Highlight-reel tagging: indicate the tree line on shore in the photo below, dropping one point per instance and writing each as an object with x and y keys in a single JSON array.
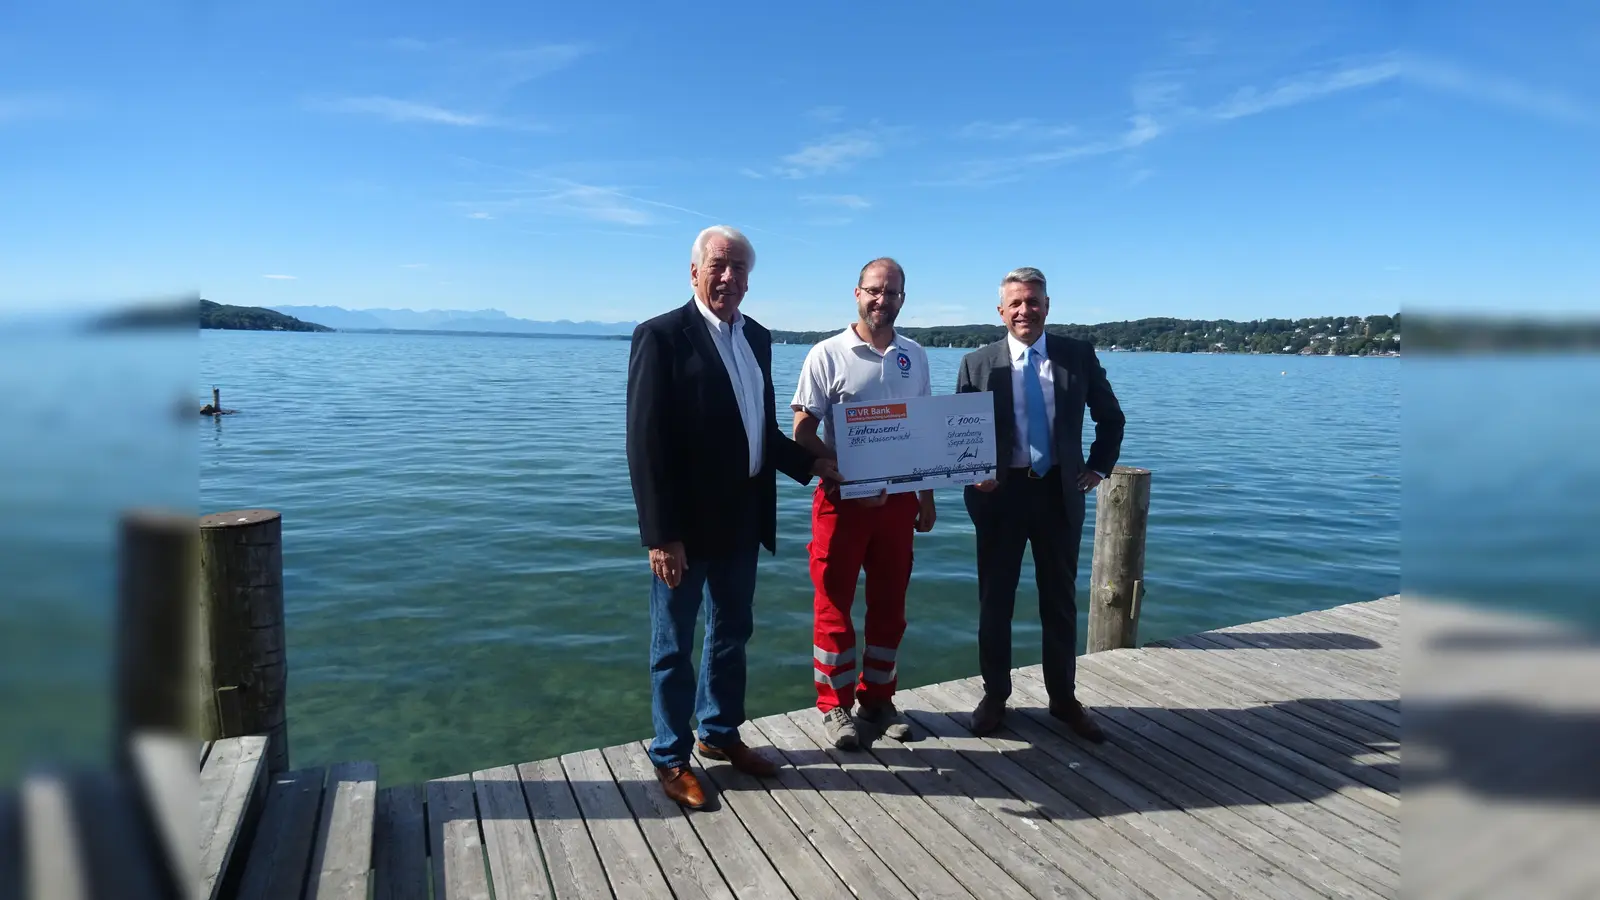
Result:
[{"x": 1328, "y": 335}]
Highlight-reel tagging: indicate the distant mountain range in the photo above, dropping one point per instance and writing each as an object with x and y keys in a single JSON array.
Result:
[{"x": 478, "y": 320}]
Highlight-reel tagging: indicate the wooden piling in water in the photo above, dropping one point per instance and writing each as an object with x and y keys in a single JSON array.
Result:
[
  {"x": 155, "y": 626},
  {"x": 243, "y": 670},
  {"x": 1116, "y": 585}
]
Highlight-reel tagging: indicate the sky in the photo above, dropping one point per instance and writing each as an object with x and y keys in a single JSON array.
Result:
[{"x": 1193, "y": 159}]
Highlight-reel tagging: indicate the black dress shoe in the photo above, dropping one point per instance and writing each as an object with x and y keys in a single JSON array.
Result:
[
  {"x": 1077, "y": 718},
  {"x": 987, "y": 717}
]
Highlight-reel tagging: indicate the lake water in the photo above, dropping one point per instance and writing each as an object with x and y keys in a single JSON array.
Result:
[{"x": 463, "y": 579}]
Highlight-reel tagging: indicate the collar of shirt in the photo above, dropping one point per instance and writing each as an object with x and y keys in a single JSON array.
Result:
[
  {"x": 716, "y": 323},
  {"x": 1019, "y": 350},
  {"x": 857, "y": 341}
]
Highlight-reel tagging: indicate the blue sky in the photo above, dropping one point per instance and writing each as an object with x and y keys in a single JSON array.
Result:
[{"x": 555, "y": 160}]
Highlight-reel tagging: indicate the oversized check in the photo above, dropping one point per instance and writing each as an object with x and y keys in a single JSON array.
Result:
[{"x": 915, "y": 444}]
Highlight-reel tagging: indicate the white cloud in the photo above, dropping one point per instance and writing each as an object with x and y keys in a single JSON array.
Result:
[
  {"x": 829, "y": 155},
  {"x": 848, "y": 201},
  {"x": 280, "y": 277},
  {"x": 751, "y": 173},
  {"x": 394, "y": 109},
  {"x": 1249, "y": 101},
  {"x": 1498, "y": 91},
  {"x": 1016, "y": 128},
  {"x": 479, "y": 215}
]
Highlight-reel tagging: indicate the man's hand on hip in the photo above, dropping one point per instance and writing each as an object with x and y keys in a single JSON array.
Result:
[
  {"x": 1088, "y": 481},
  {"x": 668, "y": 562},
  {"x": 827, "y": 470}
]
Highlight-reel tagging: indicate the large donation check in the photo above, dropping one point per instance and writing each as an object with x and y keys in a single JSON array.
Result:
[{"x": 916, "y": 444}]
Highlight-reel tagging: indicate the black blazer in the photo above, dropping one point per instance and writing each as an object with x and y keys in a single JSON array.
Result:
[
  {"x": 1080, "y": 382},
  {"x": 688, "y": 456}
]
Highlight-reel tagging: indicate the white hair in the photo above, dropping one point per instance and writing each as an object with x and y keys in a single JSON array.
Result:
[
  {"x": 1024, "y": 275},
  {"x": 697, "y": 252}
]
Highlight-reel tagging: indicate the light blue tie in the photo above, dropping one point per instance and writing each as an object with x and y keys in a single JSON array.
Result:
[{"x": 1038, "y": 419}]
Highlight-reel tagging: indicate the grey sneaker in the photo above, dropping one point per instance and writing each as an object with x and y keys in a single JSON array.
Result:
[
  {"x": 841, "y": 730},
  {"x": 888, "y": 720}
]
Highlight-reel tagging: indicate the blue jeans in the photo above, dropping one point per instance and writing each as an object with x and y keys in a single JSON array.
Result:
[{"x": 717, "y": 698}]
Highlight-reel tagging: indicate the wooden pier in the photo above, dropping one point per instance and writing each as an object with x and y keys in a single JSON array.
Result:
[{"x": 1258, "y": 761}]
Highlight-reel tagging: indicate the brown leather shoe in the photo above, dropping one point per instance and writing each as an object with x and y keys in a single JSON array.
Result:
[
  {"x": 681, "y": 785},
  {"x": 987, "y": 717},
  {"x": 1077, "y": 718},
  {"x": 742, "y": 757}
]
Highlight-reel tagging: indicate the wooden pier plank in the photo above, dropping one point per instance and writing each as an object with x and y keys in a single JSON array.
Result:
[
  {"x": 232, "y": 787},
  {"x": 516, "y": 864},
  {"x": 1250, "y": 753},
  {"x": 865, "y": 857},
  {"x": 1356, "y": 851},
  {"x": 1180, "y": 844},
  {"x": 796, "y": 859},
  {"x": 1374, "y": 710},
  {"x": 341, "y": 860},
  {"x": 689, "y": 869},
  {"x": 280, "y": 855},
  {"x": 1273, "y": 725},
  {"x": 1315, "y": 652},
  {"x": 400, "y": 844},
  {"x": 455, "y": 840},
  {"x": 632, "y": 870},
  {"x": 956, "y": 852},
  {"x": 1181, "y": 785},
  {"x": 574, "y": 866}
]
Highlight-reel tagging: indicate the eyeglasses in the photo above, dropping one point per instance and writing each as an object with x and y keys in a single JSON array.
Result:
[{"x": 880, "y": 292}]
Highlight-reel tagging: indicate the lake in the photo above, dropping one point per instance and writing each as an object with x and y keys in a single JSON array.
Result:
[{"x": 464, "y": 585}]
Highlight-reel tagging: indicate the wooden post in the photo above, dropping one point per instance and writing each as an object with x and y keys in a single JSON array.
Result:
[
  {"x": 155, "y": 621},
  {"x": 243, "y": 668},
  {"x": 216, "y": 399},
  {"x": 1116, "y": 585}
]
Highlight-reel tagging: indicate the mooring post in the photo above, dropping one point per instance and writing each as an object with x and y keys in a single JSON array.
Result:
[
  {"x": 216, "y": 399},
  {"x": 1116, "y": 586},
  {"x": 155, "y": 626},
  {"x": 243, "y": 675}
]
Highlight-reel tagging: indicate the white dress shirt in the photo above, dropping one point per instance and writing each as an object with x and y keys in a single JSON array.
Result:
[
  {"x": 749, "y": 387},
  {"x": 1019, "y": 396}
]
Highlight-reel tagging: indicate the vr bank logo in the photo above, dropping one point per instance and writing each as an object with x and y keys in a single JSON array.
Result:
[{"x": 881, "y": 413}]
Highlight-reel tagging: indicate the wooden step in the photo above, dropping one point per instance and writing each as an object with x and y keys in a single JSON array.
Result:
[{"x": 315, "y": 835}]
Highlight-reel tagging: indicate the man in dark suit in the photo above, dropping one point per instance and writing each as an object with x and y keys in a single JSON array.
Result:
[
  {"x": 1041, "y": 383},
  {"x": 703, "y": 446}
]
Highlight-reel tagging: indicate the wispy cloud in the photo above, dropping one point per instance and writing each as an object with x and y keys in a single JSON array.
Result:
[
  {"x": 394, "y": 109},
  {"x": 281, "y": 277},
  {"x": 479, "y": 215},
  {"x": 751, "y": 173},
  {"x": 1498, "y": 91},
  {"x": 831, "y": 154},
  {"x": 1250, "y": 101},
  {"x": 1014, "y": 129},
  {"x": 848, "y": 201},
  {"x": 1141, "y": 130}
]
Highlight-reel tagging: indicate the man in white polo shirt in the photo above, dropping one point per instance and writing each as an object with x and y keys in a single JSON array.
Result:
[{"x": 866, "y": 361}]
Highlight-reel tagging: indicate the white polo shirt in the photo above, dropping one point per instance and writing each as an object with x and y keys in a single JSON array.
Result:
[{"x": 845, "y": 368}]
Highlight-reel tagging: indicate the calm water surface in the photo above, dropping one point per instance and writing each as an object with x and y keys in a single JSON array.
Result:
[{"x": 465, "y": 587}]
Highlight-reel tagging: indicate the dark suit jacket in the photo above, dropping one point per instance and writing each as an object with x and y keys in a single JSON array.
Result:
[
  {"x": 688, "y": 456},
  {"x": 1080, "y": 382}
]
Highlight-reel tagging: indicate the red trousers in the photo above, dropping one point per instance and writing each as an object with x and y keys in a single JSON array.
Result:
[{"x": 846, "y": 537}]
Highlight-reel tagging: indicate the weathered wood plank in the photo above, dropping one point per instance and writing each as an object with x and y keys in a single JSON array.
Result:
[
  {"x": 455, "y": 841},
  {"x": 1113, "y": 866},
  {"x": 1246, "y": 750},
  {"x": 629, "y": 865},
  {"x": 280, "y": 854},
  {"x": 684, "y": 861},
  {"x": 341, "y": 860},
  {"x": 967, "y": 862},
  {"x": 1350, "y": 698},
  {"x": 1327, "y": 644},
  {"x": 569, "y": 852},
  {"x": 516, "y": 864},
  {"x": 400, "y": 845},
  {"x": 1286, "y": 844},
  {"x": 802, "y": 867},
  {"x": 872, "y": 853},
  {"x": 162, "y": 782},
  {"x": 1207, "y": 860},
  {"x": 56, "y": 863},
  {"x": 1285, "y": 687},
  {"x": 1263, "y": 722},
  {"x": 1365, "y": 857},
  {"x": 232, "y": 787}
]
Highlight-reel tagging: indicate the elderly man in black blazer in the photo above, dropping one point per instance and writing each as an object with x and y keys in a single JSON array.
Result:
[
  {"x": 1041, "y": 383},
  {"x": 703, "y": 446}
]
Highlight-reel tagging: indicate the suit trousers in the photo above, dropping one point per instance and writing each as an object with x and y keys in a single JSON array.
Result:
[{"x": 1027, "y": 511}]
